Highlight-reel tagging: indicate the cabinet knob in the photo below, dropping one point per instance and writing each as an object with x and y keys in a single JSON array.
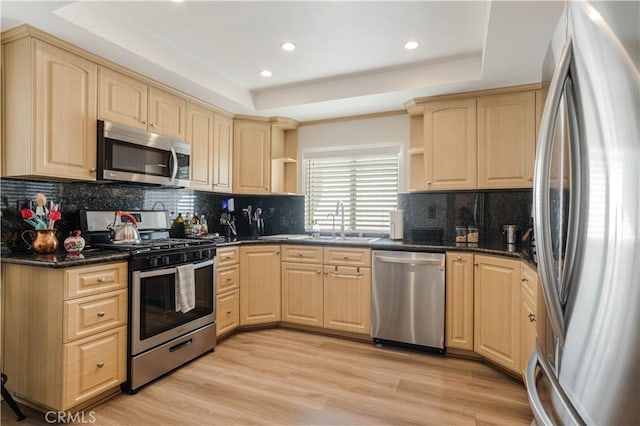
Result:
[
  {"x": 102, "y": 279},
  {"x": 100, "y": 364},
  {"x": 530, "y": 179},
  {"x": 228, "y": 313},
  {"x": 532, "y": 317},
  {"x": 228, "y": 279},
  {"x": 144, "y": 122},
  {"x": 152, "y": 125},
  {"x": 318, "y": 271},
  {"x": 326, "y": 273},
  {"x": 300, "y": 254},
  {"x": 524, "y": 279},
  {"x": 458, "y": 257},
  {"x": 345, "y": 257},
  {"x": 101, "y": 314},
  {"x": 429, "y": 182},
  {"x": 92, "y": 170}
]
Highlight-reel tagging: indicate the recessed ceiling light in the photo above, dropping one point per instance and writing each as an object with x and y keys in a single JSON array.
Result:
[
  {"x": 265, "y": 73},
  {"x": 410, "y": 45},
  {"x": 288, "y": 46}
]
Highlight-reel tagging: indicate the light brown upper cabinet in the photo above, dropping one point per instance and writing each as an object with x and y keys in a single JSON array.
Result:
[
  {"x": 132, "y": 102},
  {"x": 251, "y": 157},
  {"x": 222, "y": 153},
  {"x": 200, "y": 136},
  {"x": 49, "y": 112},
  {"x": 506, "y": 140},
  {"x": 450, "y": 144}
]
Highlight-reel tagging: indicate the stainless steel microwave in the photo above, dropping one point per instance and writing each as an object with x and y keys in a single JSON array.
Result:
[{"x": 132, "y": 155}]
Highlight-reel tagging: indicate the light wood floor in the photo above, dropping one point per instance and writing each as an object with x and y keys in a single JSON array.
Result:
[{"x": 281, "y": 376}]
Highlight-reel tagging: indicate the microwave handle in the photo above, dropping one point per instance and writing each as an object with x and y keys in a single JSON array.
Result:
[{"x": 174, "y": 168}]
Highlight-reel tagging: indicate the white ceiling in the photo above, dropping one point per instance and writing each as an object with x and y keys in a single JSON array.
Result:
[{"x": 349, "y": 59}]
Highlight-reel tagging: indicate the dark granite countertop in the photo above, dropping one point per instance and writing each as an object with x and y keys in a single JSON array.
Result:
[
  {"x": 62, "y": 259},
  {"x": 484, "y": 247}
]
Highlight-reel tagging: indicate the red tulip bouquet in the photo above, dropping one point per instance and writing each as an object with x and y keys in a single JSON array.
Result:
[{"x": 42, "y": 218}]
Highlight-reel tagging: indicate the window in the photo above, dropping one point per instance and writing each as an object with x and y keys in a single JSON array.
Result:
[{"x": 366, "y": 184}]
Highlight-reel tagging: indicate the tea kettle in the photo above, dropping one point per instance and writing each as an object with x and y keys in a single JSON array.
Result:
[{"x": 124, "y": 232}]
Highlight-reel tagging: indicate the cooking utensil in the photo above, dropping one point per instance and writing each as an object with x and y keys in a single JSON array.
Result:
[{"x": 124, "y": 232}]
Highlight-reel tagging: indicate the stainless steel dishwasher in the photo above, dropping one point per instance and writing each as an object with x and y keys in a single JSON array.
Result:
[{"x": 407, "y": 298}]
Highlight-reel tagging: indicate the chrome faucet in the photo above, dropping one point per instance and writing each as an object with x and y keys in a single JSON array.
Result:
[
  {"x": 340, "y": 206},
  {"x": 333, "y": 224}
]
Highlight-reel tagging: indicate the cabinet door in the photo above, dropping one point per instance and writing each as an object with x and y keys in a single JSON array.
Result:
[
  {"x": 228, "y": 278},
  {"x": 459, "y": 329},
  {"x": 200, "y": 137},
  {"x": 222, "y": 153},
  {"x": 302, "y": 294},
  {"x": 527, "y": 329},
  {"x": 251, "y": 157},
  {"x": 497, "y": 310},
  {"x": 506, "y": 140},
  {"x": 122, "y": 99},
  {"x": 65, "y": 114},
  {"x": 347, "y": 299},
  {"x": 167, "y": 113},
  {"x": 450, "y": 144},
  {"x": 227, "y": 316},
  {"x": 93, "y": 365},
  {"x": 260, "y": 284}
]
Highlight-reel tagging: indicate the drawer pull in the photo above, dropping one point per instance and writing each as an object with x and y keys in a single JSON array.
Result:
[
  {"x": 228, "y": 279},
  {"x": 102, "y": 280},
  {"x": 228, "y": 313},
  {"x": 318, "y": 271},
  {"x": 345, "y": 257},
  {"x": 524, "y": 279},
  {"x": 300, "y": 254},
  {"x": 100, "y": 364},
  {"x": 101, "y": 314},
  {"x": 227, "y": 257},
  {"x": 180, "y": 345}
]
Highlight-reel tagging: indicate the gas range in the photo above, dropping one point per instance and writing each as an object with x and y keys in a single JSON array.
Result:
[{"x": 155, "y": 249}]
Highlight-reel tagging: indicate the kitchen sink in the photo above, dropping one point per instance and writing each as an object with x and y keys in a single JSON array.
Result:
[
  {"x": 285, "y": 237},
  {"x": 347, "y": 239}
]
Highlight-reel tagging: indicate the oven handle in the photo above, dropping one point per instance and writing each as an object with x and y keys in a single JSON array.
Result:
[{"x": 169, "y": 271}]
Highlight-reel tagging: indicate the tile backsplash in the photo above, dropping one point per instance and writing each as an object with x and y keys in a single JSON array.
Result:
[
  {"x": 489, "y": 210},
  {"x": 282, "y": 214}
]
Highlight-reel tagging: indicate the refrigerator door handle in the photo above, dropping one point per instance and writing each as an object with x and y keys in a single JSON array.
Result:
[
  {"x": 538, "y": 358},
  {"x": 542, "y": 226}
]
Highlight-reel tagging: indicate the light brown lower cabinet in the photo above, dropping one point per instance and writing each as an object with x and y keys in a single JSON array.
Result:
[
  {"x": 497, "y": 310},
  {"x": 347, "y": 298},
  {"x": 227, "y": 312},
  {"x": 302, "y": 294},
  {"x": 529, "y": 314},
  {"x": 69, "y": 345},
  {"x": 260, "y": 297},
  {"x": 459, "y": 301}
]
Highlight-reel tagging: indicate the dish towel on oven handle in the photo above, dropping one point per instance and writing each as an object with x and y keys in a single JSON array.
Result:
[{"x": 185, "y": 288}]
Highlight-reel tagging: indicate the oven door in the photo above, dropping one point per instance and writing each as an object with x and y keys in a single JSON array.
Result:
[{"x": 154, "y": 318}]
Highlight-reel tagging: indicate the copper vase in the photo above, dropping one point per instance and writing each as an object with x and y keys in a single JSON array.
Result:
[{"x": 44, "y": 241}]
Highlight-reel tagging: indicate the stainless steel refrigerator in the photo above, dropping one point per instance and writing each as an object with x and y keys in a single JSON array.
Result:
[{"x": 586, "y": 369}]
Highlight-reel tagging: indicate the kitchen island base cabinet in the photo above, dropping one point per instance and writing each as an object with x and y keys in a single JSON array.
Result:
[
  {"x": 64, "y": 332},
  {"x": 497, "y": 310},
  {"x": 260, "y": 299}
]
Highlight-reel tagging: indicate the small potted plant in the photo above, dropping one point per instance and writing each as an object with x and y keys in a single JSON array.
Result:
[{"x": 43, "y": 220}]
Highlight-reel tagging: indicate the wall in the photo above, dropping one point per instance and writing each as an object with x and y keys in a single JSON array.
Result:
[
  {"x": 282, "y": 214},
  {"x": 391, "y": 130}
]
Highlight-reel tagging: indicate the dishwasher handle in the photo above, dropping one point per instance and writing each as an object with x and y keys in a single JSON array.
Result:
[{"x": 433, "y": 262}]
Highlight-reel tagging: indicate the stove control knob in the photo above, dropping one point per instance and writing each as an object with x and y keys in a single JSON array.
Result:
[
  {"x": 184, "y": 257},
  {"x": 199, "y": 254},
  {"x": 166, "y": 260},
  {"x": 153, "y": 261}
]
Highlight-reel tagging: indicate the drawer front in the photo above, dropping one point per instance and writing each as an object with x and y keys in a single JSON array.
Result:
[
  {"x": 227, "y": 256},
  {"x": 301, "y": 254},
  {"x": 529, "y": 279},
  {"x": 228, "y": 278},
  {"x": 93, "y": 365},
  {"x": 93, "y": 314},
  {"x": 227, "y": 312},
  {"x": 347, "y": 256},
  {"x": 91, "y": 280}
]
